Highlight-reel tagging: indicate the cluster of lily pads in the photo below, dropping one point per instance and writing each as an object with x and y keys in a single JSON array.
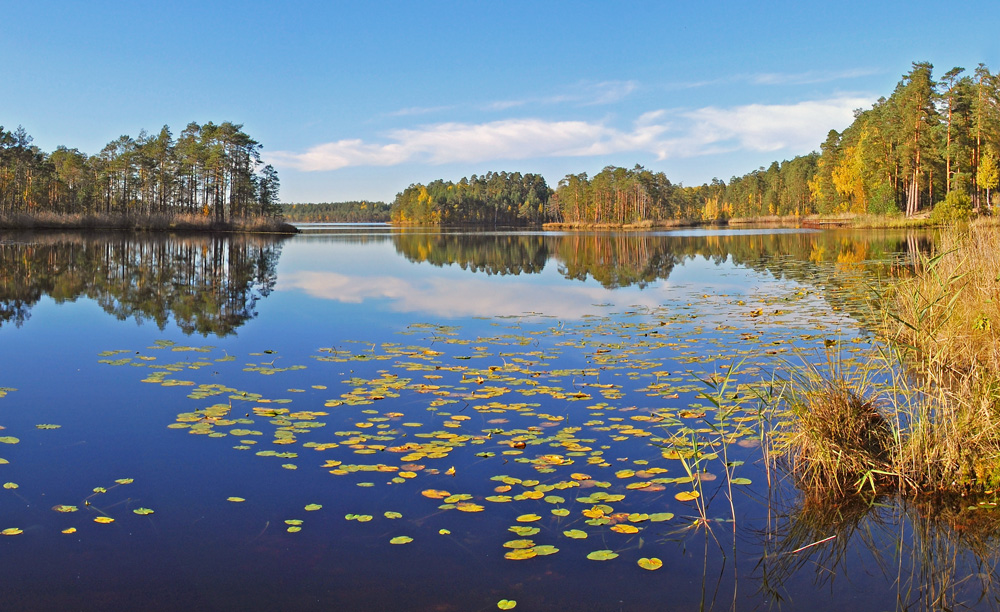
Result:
[{"x": 610, "y": 427}]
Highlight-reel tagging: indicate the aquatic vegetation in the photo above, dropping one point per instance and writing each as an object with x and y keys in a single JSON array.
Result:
[
  {"x": 622, "y": 428},
  {"x": 932, "y": 423},
  {"x": 633, "y": 436}
]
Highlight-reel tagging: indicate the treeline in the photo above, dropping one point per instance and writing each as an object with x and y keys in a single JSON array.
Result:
[
  {"x": 495, "y": 198},
  {"x": 619, "y": 196},
  {"x": 213, "y": 171},
  {"x": 338, "y": 212},
  {"x": 932, "y": 144},
  {"x": 929, "y": 142}
]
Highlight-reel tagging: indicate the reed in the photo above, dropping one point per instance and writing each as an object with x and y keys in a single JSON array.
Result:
[
  {"x": 923, "y": 413},
  {"x": 143, "y": 222}
]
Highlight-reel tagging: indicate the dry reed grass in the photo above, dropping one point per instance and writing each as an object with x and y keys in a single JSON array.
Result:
[
  {"x": 935, "y": 423},
  {"x": 153, "y": 223}
]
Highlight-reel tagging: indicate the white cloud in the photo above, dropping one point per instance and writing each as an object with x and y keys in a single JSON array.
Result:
[
  {"x": 442, "y": 297},
  {"x": 581, "y": 94},
  {"x": 609, "y": 92},
  {"x": 665, "y": 133},
  {"x": 761, "y": 127},
  {"x": 419, "y": 110},
  {"x": 808, "y": 77},
  {"x": 776, "y": 78}
]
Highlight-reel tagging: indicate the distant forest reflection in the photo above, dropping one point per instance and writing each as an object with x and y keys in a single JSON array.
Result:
[
  {"x": 622, "y": 259},
  {"x": 207, "y": 284},
  {"x": 210, "y": 285}
]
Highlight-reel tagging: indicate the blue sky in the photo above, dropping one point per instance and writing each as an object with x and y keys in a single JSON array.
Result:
[{"x": 357, "y": 100}]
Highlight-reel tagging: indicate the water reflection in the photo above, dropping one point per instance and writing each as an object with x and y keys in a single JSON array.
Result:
[
  {"x": 937, "y": 554},
  {"x": 207, "y": 284},
  {"x": 619, "y": 259},
  {"x": 837, "y": 264}
]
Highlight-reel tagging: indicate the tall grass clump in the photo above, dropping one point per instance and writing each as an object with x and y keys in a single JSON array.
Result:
[
  {"x": 842, "y": 436},
  {"x": 945, "y": 323},
  {"x": 932, "y": 423}
]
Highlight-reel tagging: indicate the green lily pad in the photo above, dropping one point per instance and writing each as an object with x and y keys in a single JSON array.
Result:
[
  {"x": 650, "y": 564},
  {"x": 602, "y": 555}
]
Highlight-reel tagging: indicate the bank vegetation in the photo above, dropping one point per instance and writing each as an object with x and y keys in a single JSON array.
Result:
[{"x": 211, "y": 177}]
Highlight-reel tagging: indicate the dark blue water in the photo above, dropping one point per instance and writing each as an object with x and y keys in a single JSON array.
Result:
[{"x": 412, "y": 362}]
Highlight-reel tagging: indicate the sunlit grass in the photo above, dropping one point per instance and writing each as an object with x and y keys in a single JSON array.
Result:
[
  {"x": 143, "y": 222},
  {"x": 934, "y": 425}
]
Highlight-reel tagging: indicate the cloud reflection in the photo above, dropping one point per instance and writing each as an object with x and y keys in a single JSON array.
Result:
[{"x": 470, "y": 298}]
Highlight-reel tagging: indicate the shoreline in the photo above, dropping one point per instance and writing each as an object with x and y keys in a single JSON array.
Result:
[
  {"x": 143, "y": 223},
  {"x": 811, "y": 221}
]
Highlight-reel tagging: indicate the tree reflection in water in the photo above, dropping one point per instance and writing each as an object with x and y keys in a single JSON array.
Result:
[{"x": 209, "y": 285}]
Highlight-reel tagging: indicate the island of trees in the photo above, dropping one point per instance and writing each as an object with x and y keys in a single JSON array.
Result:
[
  {"x": 932, "y": 146},
  {"x": 209, "y": 177}
]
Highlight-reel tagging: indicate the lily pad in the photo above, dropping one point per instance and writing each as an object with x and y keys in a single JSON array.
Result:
[
  {"x": 651, "y": 563},
  {"x": 602, "y": 555}
]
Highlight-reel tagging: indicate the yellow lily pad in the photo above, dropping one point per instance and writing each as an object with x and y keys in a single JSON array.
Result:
[
  {"x": 520, "y": 554},
  {"x": 687, "y": 496},
  {"x": 651, "y": 563}
]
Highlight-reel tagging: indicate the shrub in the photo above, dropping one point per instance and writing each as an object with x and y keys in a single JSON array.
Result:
[{"x": 956, "y": 206}]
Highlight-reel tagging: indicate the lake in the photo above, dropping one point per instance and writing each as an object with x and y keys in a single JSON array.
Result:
[{"x": 367, "y": 418}]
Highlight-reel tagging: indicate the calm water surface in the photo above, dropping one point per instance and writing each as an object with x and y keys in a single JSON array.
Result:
[{"x": 482, "y": 389}]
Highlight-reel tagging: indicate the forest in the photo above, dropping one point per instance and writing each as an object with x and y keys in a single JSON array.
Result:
[
  {"x": 209, "y": 171},
  {"x": 495, "y": 198},
  {"x": 931, "y": 147},
  {"x": 337, "y": 212}
]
